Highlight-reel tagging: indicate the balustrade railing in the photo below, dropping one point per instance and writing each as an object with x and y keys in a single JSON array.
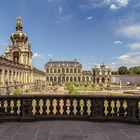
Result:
[{"x": 95, "y": 108}]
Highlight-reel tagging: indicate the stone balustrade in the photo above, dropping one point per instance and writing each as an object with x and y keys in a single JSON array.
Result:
[{"x": 94, "y": 108}]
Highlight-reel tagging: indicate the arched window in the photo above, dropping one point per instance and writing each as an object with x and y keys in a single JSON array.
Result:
[
  {"x": 75, "y": 79},
  {"x": 71, "y": 70},
  {"x": 83, "y": 79},
  {"x": 51, "y": 79},
  {"x": 51, "y": 70},
  {"x": 71, "y": 79},
  {"x": 67, "y": 79},
  {"x": 67, "y": 70},
  {"x": 47, "y": 78},
  {"x": 103, "y": 80},
  {"x": 55, "y": 79},
  {"x": 59, "y": 70},
  {"x": 97, "y": 80},
  {"x": 79, "y": 71},
  {"x": 63, "y": 70},
  {"x": 87, "y": 79},
  {"x": 75, "y": 70},
  {"x": 54, "y": 70},
  {"x": 79, "y": 79},
  {"x": 47, "y": 70}
]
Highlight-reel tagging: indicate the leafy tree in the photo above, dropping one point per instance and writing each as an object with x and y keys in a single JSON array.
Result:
[
  {"x": 93, "y": 85},
  {"x": 123, "y": 70},
  {"x": 108, "y": 86},
  {"x": 76, "y": 84},
  {"x": 17, "y": 91},
  {"x": 101, "y": 85},
  {"x": 134, "y": 70},
  {"x": 72, "y": 90},
  {"x": 114, "y": 73},
  {"x": 86, "y": 84}
]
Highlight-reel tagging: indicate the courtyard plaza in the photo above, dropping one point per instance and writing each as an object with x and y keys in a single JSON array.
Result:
[
  {"x": 113, "y": 90},
  {"x": 68, "y": 130}
]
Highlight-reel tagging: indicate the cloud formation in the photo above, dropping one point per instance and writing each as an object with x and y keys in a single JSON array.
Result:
[
  {"x": 49, "y": 55},
  {"x": 135, "y": 45},
  {"x": 89, "y": 17},
  {"x": 112, "y": 4},
  {"x": 60, "y": 9},
  {"x": 118, "y": 42},
  {"x": 130, "y": 59},
  {"x": 132, "y": 31},
  {"x": 117, "y": 4},
  {"x": 37, "y": 55}
]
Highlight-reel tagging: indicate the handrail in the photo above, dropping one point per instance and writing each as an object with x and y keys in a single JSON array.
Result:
[{"x": 89, "y": 107}]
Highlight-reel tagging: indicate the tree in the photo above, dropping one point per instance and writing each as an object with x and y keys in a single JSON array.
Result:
[
  {"x": 134, "y": 70},
  {"x": 86, "y": 84},
  {"x": 93, "y": 85},
  {"x": 72, "y": 90},
  {"x": 101, "y": 85},
  {"x": 114, "y": 72},
  {"x": 17, "y": 91},
  {"x": 122, "y": 70}
]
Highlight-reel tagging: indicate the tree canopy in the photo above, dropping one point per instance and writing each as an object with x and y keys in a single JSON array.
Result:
[{"x": 123, "y": 70}]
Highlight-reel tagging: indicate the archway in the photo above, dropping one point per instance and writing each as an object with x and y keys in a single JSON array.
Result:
[{"x": 103, "y": 80}]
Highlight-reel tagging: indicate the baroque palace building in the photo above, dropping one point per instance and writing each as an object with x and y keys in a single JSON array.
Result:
[
  {"x": 72, "y": 71},
  {"x": 16, "y": 62}
]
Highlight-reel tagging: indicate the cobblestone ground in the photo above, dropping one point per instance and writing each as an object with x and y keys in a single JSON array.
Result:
[{"x": 68, "y": 130}]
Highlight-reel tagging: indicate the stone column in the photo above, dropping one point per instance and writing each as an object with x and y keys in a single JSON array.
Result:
[
  {"x": 15, "y": 75},
  {"x": 2, "y": 76},
  {"x": 10, "y": 74},
  {"x": 5, "y": 76},
  {"x": 23, "y": 78}
]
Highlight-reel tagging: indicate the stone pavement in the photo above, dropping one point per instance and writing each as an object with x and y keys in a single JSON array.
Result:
[{"x": 68, "y": 130}]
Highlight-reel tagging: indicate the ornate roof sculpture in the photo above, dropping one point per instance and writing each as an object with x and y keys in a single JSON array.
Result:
[{"x": 19, "y": 36}]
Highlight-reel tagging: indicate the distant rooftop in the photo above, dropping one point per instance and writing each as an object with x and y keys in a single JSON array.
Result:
[{"x": 51, "y": 62}]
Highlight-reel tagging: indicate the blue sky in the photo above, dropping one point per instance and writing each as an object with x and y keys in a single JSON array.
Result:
[{"x": 91, "y": 31}]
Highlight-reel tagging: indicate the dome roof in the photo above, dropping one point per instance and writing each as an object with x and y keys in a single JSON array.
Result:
[{"x": 19, "y": 36}]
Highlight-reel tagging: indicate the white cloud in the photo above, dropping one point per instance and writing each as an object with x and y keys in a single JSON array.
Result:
[
  {"x": 113, "y": 7},
  {"x": 37, "y": 55},
  {"x": 60, "y": 9},
  {"x": 129, "y": 59},
  {"x": 49, "y": 55},
  {"x": 135, "y": 45},
  {"x": 89, "y": 17},
  {"x": 117, "y": 4},
  {"x": 132, "y": 31},
  {"x": 124, "y": 57},
  {"x": 65, "y": 18},
  {"x": 113, "y": 4},
  {"x": 117, "y": 42},
  {"x": 113, "y": 63}
]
